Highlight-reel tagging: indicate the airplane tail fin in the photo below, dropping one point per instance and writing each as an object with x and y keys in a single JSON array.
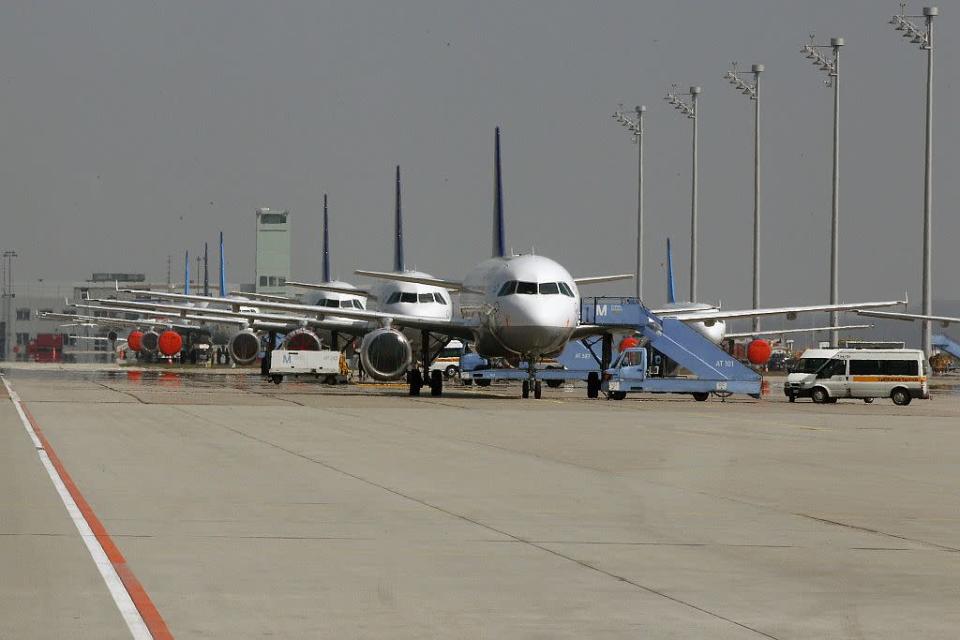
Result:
[
  {"x": 398, "y": 262},
  {"x": 326, "y": 242},
  {"x": 499, "y": 239},
  {"x": 671, "y": 286},
  {"x": 186, "y": 272},
  {"x": 223, "y": 270},
  {"x": 206, "y": 270}
]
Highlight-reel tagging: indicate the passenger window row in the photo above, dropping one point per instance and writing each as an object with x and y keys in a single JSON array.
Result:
[
  {"x": 409, "y": 297},
  {"x": 532, "y": 288}
]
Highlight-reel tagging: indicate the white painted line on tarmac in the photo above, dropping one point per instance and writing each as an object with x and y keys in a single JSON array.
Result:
[{"x": 118, "y": 591}]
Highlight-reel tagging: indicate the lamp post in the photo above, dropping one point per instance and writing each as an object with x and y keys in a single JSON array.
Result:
[
  {"x": 690, "y": 110},
  {"x": 635, "y": 126},
  {"x": 923, "y": 36},
  {"x": 831, "y": 65},
  {"x": 752, "y": 90}
]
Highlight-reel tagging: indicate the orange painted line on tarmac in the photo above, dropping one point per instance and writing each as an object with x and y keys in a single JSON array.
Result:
[{"x": 148, "y": 611}]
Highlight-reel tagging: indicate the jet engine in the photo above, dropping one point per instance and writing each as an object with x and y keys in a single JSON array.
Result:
[
  {"x": 385, "y": 354},
  {"x": 302, "y": 340},
  {"x": 759, "y": 351},
  {"x": 134, "y": 340},
  {"x": 169, "y": 343},
  {"x": 149, "y": 341},
  {"x": 244, "y": 347}
]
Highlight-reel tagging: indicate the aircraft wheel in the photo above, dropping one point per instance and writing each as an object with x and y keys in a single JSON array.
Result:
[
  {"x": 467, "y": 383},
  {"x": 868, "y": 400},
  {"x": 450, "y": 371},
  {"x": 276, "y": 379},
  {"x": 525, "y": 393},
  {"x": 436, "y": 383},
  {"x": 415, "y": 381},
  {"x": 618, "y": 395},
  {"x": 701, "y": 396},
  {"x": 593, "y": 385},
  {"x": 481, "y": 382},
  {"x": 537, "y": 390}
]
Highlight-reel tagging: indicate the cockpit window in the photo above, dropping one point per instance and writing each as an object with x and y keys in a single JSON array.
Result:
[
  {"x": 565, "y": 289},
  {"x": 346, "y": 304},
  {"x": 357, "y": 304},
  {"x": 426, "y": 297},
  {"x": 508, "y": 288},
  {"x": 439, "y": 298},
  {"x": 527, "y": 288},
  {"x": 549, "y": 289},
  {"x": 394, "y": 298},
  {"x": 408, "y": 297}
]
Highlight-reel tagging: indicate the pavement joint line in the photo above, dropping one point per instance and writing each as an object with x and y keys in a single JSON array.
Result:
[
  {"x": 519, "y": 539},
  {"x": 877, "y": 532},
  {"x": 137, "y": 610}
]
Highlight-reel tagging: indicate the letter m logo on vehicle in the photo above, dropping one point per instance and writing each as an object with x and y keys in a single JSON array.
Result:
[
  {"x": 287, "y": 358},
  {"x": 601, "y": 310}
]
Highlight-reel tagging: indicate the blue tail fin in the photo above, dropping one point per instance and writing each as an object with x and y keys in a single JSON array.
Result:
[
  {"x": 223, "y": 270},
  {"x": 186, "y": 272},
  {"x": 326, "y": 242},
  {"x": 499, "y": 239},
  {"x": 671, "y": 287},
  {"x": 206, "y": 270},
  {"x": 399, "y": 265}
]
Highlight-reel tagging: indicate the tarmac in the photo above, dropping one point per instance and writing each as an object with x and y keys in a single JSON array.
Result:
[{"x": 249, "y": 510}]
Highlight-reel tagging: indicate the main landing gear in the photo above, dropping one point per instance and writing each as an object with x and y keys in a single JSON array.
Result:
[{"x": 434, "y": 379}]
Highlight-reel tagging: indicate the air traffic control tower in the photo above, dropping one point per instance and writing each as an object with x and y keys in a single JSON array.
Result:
[{"x": 273, "y": 250}]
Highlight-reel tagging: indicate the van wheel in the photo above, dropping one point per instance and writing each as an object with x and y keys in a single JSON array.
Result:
[
  {"x": 450, "y": 371},
  {"x": 791, "y": 398},
  {"x": 820, "y": 395},
  {"x": 868, "y": 400},
  {"x": 900, "y": 396},
  {"x": 701, "y": 396}
]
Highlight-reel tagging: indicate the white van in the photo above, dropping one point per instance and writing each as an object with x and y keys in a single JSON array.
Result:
[
  {"x": 829, "y": 374},
  {"x": 448, "y": 360}
]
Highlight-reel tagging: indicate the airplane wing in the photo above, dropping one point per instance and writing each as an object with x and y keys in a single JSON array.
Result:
[
  {"x": 261, "y": 296},
  {"x": 709, "y": 316},
  {"x": 595, "y": 279},
  {"x": 679, "y": 308},
  {"x": 451, "y": 328},
  {"x": 452, "y": 285},
  {"x": 910, "y": 317},
  {"x": 332, "y": 288},
  {"x": 777, "y": 332}
]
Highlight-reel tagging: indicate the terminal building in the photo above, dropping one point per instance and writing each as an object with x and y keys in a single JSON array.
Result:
[{"x": 273, "y": 251}]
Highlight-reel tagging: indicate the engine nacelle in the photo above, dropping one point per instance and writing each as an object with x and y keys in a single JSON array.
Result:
[
  {"x": 169, "y": 343},
  {"x": 135, "y": 340},
  {"x": 244, "y": 347},
  {"x": 149, "y": 341},
  {"x": 385, "y": 354},
  {"x": 302, "y": 340}
]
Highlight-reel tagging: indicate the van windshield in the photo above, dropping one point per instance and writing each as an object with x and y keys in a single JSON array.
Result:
[{"x": 809, "y": 365}]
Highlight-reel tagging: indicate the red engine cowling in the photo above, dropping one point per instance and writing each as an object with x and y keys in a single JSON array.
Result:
[
  {"x": 628, "y": 343},
  {"x": 302, "y": 340},
  {"x": 759, "y": 351},
  {"x": 169, "y": 343},
  {"x": 133, "y": 340}
]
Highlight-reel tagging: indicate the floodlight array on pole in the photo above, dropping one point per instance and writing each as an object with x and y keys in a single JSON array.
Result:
[
  {"x": 690, "y": 110},
  {"x": 831, "y": 66},
  {"x": 923, "y": 36},
  {"x": 752, "y": 91},
  {"x": 635, "y": 126}
]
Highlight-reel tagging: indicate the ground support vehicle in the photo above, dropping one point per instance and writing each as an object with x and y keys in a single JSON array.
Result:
[
  {"x": 326, "y": 365},
  {"x": 826, "y": 375}
]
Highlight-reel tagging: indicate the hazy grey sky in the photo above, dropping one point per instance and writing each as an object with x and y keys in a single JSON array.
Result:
[{"x": 134, "y": 130}]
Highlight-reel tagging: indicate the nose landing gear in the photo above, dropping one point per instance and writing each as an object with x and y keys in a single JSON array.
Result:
[{"x": 531, "y": 382}]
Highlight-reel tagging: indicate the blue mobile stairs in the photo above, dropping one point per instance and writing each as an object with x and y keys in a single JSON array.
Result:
[
  {"x": 947, "y": 344},
  {"x": 672, "y": 347}
]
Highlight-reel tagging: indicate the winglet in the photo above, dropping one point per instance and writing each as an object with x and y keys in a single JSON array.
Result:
[
  {"x": 499, "y": 236},
  {"x": 671, "y": 286},
  {"x": 398, "y": 262},
  {"x": 326, "y": 242}
]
